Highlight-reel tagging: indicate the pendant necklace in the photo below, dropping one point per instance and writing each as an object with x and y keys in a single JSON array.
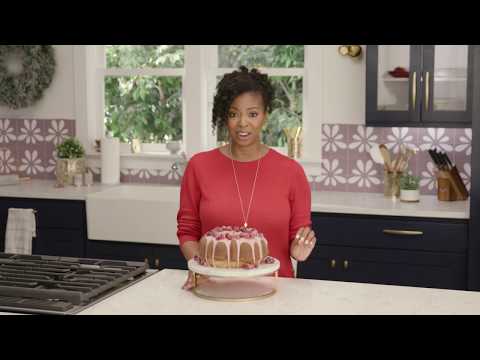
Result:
[{"x": 245, "y": 217}]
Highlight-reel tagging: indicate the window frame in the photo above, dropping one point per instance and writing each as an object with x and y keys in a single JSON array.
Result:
[
  {"x": 198, "y": 85},
  {"x": 104, "y": 71}
]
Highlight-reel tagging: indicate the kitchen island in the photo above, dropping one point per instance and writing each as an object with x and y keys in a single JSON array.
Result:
[{"x": 161, "y": 293}]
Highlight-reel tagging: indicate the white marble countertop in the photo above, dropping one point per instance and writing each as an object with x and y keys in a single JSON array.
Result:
[
  {"x": 161, "y": 293},
  {"x": 45, "y": 189},
  {"x": 325, "y": 201},
  {"x": 378, "y": 204}
]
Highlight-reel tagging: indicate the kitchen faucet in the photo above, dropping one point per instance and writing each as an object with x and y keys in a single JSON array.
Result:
[{"x": 180, "y": 164}]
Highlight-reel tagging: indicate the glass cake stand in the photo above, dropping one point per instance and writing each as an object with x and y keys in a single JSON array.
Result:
[{"x": 237, "y": 285}]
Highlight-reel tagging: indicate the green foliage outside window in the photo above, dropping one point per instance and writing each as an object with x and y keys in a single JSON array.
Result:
[{"x": 150, "y": 107}]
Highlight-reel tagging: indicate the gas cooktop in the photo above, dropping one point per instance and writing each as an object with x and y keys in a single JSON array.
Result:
[{"x": 62, "y": 285}]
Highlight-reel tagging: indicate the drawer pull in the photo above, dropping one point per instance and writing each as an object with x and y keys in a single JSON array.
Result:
[
  {"x": 403, "y": 232},
  {"x": 333, "y": 263},
  {"x": 157, "y": 263},
  {"x": 345, "y": 264}
]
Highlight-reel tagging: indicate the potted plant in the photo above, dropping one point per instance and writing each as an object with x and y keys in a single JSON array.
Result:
[
  {"x": 70, "y": 160},
  {"x": 409, "y": 188}
]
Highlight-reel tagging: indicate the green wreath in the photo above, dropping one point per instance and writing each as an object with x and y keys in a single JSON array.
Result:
[{"x": 25, "y": 72}]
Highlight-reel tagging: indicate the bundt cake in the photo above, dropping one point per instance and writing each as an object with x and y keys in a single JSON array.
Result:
[{"x": 233, "y": 247}]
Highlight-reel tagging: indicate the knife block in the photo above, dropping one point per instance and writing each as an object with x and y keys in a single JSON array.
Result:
[{"x": 450, "y": 186}]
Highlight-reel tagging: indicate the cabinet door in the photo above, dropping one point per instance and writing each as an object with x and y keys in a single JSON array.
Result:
[
  {"x": 112, "y": 250},
  {"x": 447, "y": 90},
  {"x": 59, "y": 242},
  {"x": 169, "y": 257},
  {"x": 56, "y": 214},
  {"x": 61, "y": 225},
  {"x": 388, "y": 232},
  {"x": 393, "y": 98},
  {"x": 390, "y": 267}
]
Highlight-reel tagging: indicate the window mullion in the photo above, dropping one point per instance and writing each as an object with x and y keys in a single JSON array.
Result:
[
  {"x": 210, "y": 53},
  {"x": 268, "y": 71},
  {"x": 144, "y": 72}
]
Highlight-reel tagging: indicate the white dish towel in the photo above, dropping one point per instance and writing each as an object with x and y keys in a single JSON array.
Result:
[{"x": 21, "y": 229}]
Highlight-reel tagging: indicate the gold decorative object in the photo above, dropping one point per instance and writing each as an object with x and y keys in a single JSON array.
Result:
[
  {"x": 234, "y": 290},
  {"x": 392, "y": 183},
  {"x": 294, "y": 141},
  {"x": 234, "y": 285},
  {"x": 353, "y": 51},
  {"x": 66, "y": 170},
  {"x": 403, "y": 232}
]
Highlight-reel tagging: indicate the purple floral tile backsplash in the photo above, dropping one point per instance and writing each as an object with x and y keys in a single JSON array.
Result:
[
  {"x": 27, "y": 147},
  {"x": 347, "y": 165}
]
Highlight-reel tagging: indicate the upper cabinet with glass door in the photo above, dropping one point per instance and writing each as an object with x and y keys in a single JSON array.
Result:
[{"x": 418, "y": 85}]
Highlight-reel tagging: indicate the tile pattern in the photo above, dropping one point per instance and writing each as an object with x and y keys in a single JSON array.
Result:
[
  {"x": 27, "y": 147},
  {"x": 347, "y": 165}
]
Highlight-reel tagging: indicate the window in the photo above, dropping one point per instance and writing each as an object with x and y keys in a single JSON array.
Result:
[
  {"x": 143, "y": 93},
  {"x": 157, "y": 93},
  {"x": 285, "y": 65}
]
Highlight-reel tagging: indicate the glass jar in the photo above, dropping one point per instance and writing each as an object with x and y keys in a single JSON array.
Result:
[{"x": 392, "y": 183}]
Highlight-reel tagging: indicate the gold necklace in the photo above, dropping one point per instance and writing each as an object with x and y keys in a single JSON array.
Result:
[{"x": 245, "y": 218}]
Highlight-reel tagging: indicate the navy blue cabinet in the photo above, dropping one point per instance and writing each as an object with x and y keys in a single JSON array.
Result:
[
  {"x": 61, "y": 225},
  {"x": 169, "y": 257},
  {"x": 474, "y": 240},
  {"x": 62, "y": 231},
  {"x": 389, "y": 250},
  {"x": 357, "y": 248},
  {"x": 419, "y": 85},
  {"x": 157, "y": 256}
]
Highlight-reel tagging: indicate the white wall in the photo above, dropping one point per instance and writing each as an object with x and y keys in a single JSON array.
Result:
[
  {"x": 58, "y": 101},
  {"x": 342, "y": 94},
  {"x": 343, "y": 87}
]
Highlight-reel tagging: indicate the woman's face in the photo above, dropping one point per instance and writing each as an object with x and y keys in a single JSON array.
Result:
[{"x": 246, "y": 118}]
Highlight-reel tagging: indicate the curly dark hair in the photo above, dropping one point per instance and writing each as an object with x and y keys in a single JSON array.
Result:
[{"x": 237, "y": 83}]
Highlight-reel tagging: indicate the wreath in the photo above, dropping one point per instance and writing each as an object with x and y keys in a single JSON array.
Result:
[{"x": 25, "y": 72}]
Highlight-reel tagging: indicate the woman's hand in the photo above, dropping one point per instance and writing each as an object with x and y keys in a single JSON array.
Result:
[
  {"x": 303, "y": 244},
  {"x": 190, "y": 282}
]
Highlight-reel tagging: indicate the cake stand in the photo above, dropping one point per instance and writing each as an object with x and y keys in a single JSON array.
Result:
[{"x": 236, "y": 285}]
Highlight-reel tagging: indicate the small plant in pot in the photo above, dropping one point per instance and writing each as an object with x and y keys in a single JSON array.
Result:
[
  {"x": 409, "y": 188},
  {"x": 70, "y": 161}
]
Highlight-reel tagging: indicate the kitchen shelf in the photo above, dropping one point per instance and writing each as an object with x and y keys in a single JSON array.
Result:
[
  {"x": 437, "y": 79},
  {"x": 392, "y": 79}
]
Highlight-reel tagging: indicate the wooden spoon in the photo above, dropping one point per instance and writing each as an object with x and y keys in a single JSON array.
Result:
[
  {"x": 386, "y": 157},
  {"x": 376, "y": 154}
]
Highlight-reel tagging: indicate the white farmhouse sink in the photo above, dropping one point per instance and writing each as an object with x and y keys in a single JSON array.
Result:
[{"x": 134, "y": 213}]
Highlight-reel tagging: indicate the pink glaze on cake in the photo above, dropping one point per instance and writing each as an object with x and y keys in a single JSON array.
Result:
[{"x": 230, "y": 240}]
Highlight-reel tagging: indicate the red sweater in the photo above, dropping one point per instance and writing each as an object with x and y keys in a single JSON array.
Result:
[{"x": 281, "y": 203}]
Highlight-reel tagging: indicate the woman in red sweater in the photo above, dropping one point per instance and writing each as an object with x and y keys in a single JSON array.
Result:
[{"x": 245, "y": 182}]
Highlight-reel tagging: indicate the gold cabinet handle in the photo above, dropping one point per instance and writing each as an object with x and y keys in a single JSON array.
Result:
[
  {"x": 427, "y": 91},
  {"x": 157, "y": 264},
  {"x": 414, "y": 90},
  {"x": 146, "y": 261},
  {"x": 345, "y": 264},
  {"x": 333, "y": 263},
  {"x": 403, "y": 232}
]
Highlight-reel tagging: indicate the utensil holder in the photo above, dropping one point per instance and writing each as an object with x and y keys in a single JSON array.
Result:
[
  {"x": 450, "y": 187},
  {"x": 391, "y": 183},
  {"x": 294, "y": 142}
]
